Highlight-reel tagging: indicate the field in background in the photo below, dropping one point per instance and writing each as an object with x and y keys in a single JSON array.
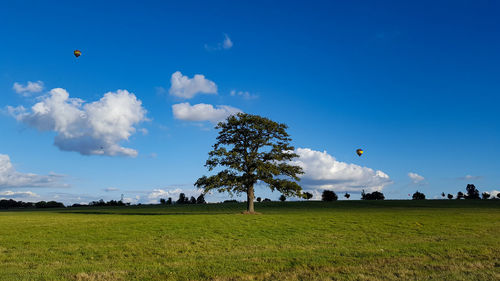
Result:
[{"x": 344, "y": 240}]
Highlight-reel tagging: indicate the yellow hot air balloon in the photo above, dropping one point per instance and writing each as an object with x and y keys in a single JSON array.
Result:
[
  {"x": 359, "y": 151},
  {"x": 77, "y": 53}
]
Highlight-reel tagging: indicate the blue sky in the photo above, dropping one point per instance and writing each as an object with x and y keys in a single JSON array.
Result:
[{"x": 415, "y": 85}]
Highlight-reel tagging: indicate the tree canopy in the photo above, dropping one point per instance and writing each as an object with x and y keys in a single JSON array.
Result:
[
  {"x": 418, "y": 196},
  {"x": 376, "y": 195},
  {"x": 252, "y": 149}
]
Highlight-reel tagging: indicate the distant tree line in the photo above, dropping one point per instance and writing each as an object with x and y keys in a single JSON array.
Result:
[
  {"x": 13, "y": 204},
  {"x": 183, "y": 199},
  {"x": 101, "y": 203},
  {"x": 471, "y": 193}
]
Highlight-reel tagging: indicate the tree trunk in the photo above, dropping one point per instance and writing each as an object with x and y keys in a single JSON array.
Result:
[{"x": 250, "y": 197}]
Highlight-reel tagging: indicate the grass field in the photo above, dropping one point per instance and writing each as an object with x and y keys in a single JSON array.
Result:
[{"x": 345, "y": 240}]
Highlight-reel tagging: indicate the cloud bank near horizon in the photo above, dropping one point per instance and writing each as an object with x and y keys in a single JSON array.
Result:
[
  {"x": 11, "y": 178},
  {"x": 322, "y": 171}
]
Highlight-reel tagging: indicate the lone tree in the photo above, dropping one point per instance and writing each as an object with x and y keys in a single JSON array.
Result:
[
  {"x": 308, "y": 195},
  {"x": 329, "y": 195},
  {"x": 347, "y": 195},
  {"x": 472, "y": 192},
  {"x": 252, "y": 148},
  {"x": 282, "y": 198},
  {"x": 418, "y": 196},
  {"x": 450, "y": 196}
]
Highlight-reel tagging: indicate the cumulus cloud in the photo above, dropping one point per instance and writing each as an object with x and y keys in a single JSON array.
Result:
[
  {"x": 415, "y": 178},
  {"x": 95, "y": 128},
  {"x": 157, "y": 194},
  {"x": 493, "y": 194},
  {"x": 246, "y": 95},
  {"x": 132, "y": 200},
  {"x": 23, "y": 194},
  {"x": 185, "y": 87},
  {"x": 226, "y": 44},
  {"x": 203, "y": 112},
  {"x": 29, "y": 88},
  {"x": 10, "y": 178},
  {"x": 323, "y": 171}
]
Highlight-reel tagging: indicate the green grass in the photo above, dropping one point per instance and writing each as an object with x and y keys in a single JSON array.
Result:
[{"x": 347, "y": 240}]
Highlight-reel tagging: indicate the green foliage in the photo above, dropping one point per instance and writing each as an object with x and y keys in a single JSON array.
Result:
[
  {"x": 252, "y": 148},
  {"x": 376, "y": 195},
  {"x": 348, "y": 240},
  {"x": 49, "y": 204},
  {"x": 329, "y": 195},
  {"x": 418, "y": 196},
  {"x": 472, "y": 192},
  {"x": 182, "y": 199},
  {"x": 460, "y": 195},
  {"x": 201, "y": 199},
  {"x": 308, "y": 195},
  {"x": 259, "y": 199},
  {"x": 282, "y": 198}
]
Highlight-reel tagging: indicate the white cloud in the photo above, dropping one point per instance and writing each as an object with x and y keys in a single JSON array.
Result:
[
  {"x": 95, "y": 128},
  {"x": 31, "y": 87},
  {"x": 246, "y": 95},
  {"x": 227, "y": 43},
  {"x": 10, "y": 178},
  {"x": 416, "y": 178},
  {"x": 203, "y": 112},
  {"x": 132, "y": 200},
  {"x": 185, "y": 87},
  {"x": 493, "y": 194},
  {"x": 157, "y": 194},
  {"x": 110, "y": 189},
  {"x": 470, "y": 177},
  {"x": 22, "y": 194},
  {"x": 323, "y": 171}
]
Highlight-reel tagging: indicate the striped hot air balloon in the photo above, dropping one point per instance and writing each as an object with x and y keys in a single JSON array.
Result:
[
  {"x": 77, "y": 53},
  {"x": 359, "y": 151}
]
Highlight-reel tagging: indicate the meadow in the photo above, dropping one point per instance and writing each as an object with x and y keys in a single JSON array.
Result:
[{"x": 343, "y": 240}]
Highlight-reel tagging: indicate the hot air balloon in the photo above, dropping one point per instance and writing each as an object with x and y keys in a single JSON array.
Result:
[
  {"x": 359, "y": 151},
  {"x": 77, "y": 53}
]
